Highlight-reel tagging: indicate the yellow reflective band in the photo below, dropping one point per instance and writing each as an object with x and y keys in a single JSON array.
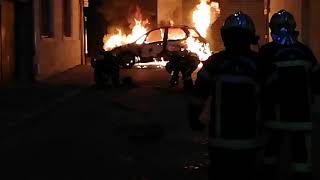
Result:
[
  {"x": 301, "y": 167},
  {"x": 289, "y": 126},
  {"x": 293, "y": 63},
  {"x": 235, "y": 79},
  {"x": 236, "y": 144}
]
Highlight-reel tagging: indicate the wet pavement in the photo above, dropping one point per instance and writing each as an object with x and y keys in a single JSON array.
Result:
[{"x": 137, "y": 133}]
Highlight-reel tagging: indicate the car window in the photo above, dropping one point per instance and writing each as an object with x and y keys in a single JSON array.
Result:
[
  {"x": 193, "y": 33},
  {"x": 141, "y": 39},
  {"x": 155, "y": 36},
  {"x": 176, "y": 34}
]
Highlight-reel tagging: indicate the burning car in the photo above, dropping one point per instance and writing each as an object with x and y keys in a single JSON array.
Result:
[
  {"x": 143, "y": 46},
  {"x": 157, "y": 44}
]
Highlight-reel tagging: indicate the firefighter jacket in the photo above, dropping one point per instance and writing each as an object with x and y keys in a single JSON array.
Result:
[{"x": 226, "y": 128}]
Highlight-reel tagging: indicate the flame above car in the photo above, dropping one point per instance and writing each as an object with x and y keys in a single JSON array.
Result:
[
  {"x": 112, "y": 41},
  {"x": 204, "y": 15}
]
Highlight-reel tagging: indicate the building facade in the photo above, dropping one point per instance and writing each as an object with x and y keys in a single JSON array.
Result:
[
  {"x": 39, "y": 38},
  {"x": 181, "y": 13},
  {"x": 305, "y": 12},
  {"x": 254, "y": 8},
  {"x": 58, "y": 26},
  {"x": 7, "y": 57}
]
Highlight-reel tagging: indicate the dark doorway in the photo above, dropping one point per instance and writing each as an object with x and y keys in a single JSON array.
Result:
[
  {"x": 95, "y": 27},
  {"x": 24, "y": 42}
]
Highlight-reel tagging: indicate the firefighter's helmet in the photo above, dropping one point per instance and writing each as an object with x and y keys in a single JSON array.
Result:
[
  {"x": 239, "y": 26},
  {"x": 239, "y": 20},
  {"x": 282, "y": 20},
  {"x": 283, "y": 25}
]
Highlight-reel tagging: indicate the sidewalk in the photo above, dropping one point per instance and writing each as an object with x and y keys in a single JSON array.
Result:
[{"x": 22, "y": 104}]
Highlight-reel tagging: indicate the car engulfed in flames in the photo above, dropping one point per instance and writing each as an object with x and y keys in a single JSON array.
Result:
[{"x": 157, "y": 45}]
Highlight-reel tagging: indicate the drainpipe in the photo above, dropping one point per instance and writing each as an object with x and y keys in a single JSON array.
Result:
[
  {"x": 305, "y": 18},
  {"x": 82, "y": 29},
  {"x": 266, "y": 13},
  {"x": 24, "y": 42}
]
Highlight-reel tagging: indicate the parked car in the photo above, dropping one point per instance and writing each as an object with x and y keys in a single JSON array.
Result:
[{"x": 157, "y": 44}]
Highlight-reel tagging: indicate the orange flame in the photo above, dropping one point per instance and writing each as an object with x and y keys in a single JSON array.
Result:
[
  {"x": 112, "y": 41},
  {"x": 201, "y": 49},
  {"x": 204, "y": 15},
  {"x": 137, "y": 26}
]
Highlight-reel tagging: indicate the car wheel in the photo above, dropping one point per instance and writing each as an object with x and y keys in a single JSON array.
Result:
[{"x": 127, "y": 60}]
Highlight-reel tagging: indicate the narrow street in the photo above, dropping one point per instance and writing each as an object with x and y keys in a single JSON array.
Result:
[
  {"x": 55, "y": 124},
  {"x": 139, "y": 133}
]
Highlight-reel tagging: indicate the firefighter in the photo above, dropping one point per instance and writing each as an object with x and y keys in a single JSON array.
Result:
[
  {"x": 284, "y": 45},
  {"x": 231, "y": 152},
  {"x": 184, "y": 62},
  {"x": 279, "y": 61},
  {"x": 106, "y": 69}
]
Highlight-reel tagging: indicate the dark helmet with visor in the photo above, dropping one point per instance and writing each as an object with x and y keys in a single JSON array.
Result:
[
  {"x": 283, "y": 25},
  {"x": 241, "y": 21}
]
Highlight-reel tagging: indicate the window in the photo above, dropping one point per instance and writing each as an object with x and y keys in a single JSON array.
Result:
[
  {"x": 176, "y": 34},
  {"x": 155, "y": 36},
  {"x": 141, "y": 39},
  {"x": 86, "y": 3},
  {"x": 67, "y": 18},
  {"x": 193, "y": 33},
  {"x": 46, "y": 19}
]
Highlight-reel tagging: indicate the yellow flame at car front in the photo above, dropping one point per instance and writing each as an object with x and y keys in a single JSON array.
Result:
[
  {"x": 201, "y": 49},
  {"x": 112, "y": 41}
]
